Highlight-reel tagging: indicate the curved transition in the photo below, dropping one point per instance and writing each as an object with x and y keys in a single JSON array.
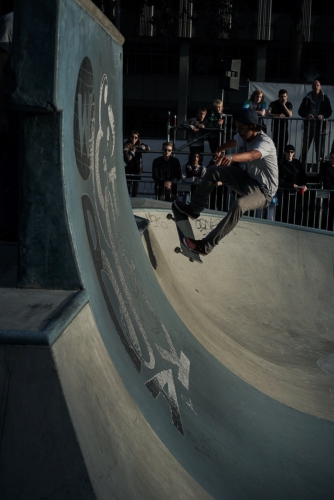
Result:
[{"x": 219, "y": 359}]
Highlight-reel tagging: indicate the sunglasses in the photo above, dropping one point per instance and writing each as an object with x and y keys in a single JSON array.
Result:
[
  {"x": 134, "y": 137},
  {"x": 289, "y": 151},
  {"x": 169, "y": 150}
]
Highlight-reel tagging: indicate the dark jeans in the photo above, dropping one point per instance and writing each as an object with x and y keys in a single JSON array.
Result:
[
  {"x": 252, "y": 197},
  {"x": 280, "y": 136},
  {"x": 132, "y": 183},
  {"x": 166, "y": 194},
  {"x": 313, "y": 130}
]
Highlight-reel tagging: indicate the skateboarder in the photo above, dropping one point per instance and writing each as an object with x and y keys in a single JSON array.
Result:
[{"x": 255, "y": 182}]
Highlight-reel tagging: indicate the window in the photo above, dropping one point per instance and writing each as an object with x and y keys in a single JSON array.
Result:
[
  {"x": 148, "y": 58},
  {"x": 150, "y": 121},
  {"x": 278, "y": 64},
  {"x": 206, "y": 60}
]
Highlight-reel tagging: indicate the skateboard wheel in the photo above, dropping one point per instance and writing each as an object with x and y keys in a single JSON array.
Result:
[
  {"x": 191, "y": 259},
  {"x": 169, "y": 216},
  {"x": 177, "y": 250}
]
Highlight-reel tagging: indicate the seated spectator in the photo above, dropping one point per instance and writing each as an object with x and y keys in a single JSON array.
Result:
[
  {"x": 292, "y": 177},
  {"x": 133, "y": 160},
  {"x": 327, "y": 177},
  {"x": 256, "y": 102},
  {"x": 327, "y": 173},
  {"x": 194, "y": 171},
  {"x": 195, "y": 130},
  {"x": 215, "y": 120},
  {"x": 281, "y": 108},
  {"x": 166, "y": 172}
]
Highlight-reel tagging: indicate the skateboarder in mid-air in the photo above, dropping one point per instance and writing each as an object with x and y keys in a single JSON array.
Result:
[{"x": 254, "y": 178}]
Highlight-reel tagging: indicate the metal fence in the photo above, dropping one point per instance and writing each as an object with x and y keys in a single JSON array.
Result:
[{"x": 313, "y": 143}]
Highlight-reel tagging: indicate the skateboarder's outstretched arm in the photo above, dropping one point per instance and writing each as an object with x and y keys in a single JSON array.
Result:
[
  {"x": 246, "y": 157},
  {"x": 232, "y": 143}
]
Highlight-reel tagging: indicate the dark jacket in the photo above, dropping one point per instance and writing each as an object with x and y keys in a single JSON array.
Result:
[
  {"x": 325, "y": 106},
  {"x": 327, "y": 175},
  {"x": 188, "y": 171},
  {"x": 166, "y": 170},
  {"x": 212, "y": 122},
  {"x": 290, "y": 173},
  {"x": 190, "y": 124},
  {"x": 133, "y": 157}
]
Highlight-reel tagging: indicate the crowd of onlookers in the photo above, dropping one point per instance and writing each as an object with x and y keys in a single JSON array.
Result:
[{"x": 288, "y": 205}]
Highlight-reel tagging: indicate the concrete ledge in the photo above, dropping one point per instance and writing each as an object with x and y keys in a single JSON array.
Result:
[
  {"x": 45, "y": 314},
  {"x": 101, "y": 19}
]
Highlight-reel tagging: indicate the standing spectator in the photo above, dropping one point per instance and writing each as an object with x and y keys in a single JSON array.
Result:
[
  {"x": 256, "y": 102},
  {"x": 215, "y": 120},
  {"x": 195, "y": 130},
  {"x": 293, "y": 180},
  {"x": 282, "y": 109},
  {"x": 327, "y": 176},
  {"x": 166, "y": 172},
  {"x": 314, "y": 108},
  {"x": 133, "y": 160},
  {"x": 193, "y": 170}
]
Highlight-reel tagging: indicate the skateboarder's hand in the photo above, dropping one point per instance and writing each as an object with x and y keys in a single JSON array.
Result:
[
  {"x": 168, "y": 184},
  {"x": 222, "y": 160}
]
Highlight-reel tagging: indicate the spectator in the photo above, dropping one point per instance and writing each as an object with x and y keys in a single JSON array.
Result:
[
  {"x": 314, "y": 108},
  {"x": 282, "y": 109},
  {"x": 215, "y": 120},
  {"x": 195, "y": 130},
  {"x": 327, "y": 173},
  {"x": 327, "y": 177},
  {"x": 133, "y": 160},
  {"x": 256, "y": 102},
  {"x": 194, "y": 171},
  {"x": 166, "y": 172},
  {"x": 293, "y": 180}
]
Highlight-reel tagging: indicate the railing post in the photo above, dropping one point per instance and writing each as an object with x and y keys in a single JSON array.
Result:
[{"x": 168, "y": 126}]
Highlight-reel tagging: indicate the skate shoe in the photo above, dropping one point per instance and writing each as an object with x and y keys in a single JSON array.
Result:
[
  {"x": 186, "y": 209},
  {"x": 196, "y": 246}
]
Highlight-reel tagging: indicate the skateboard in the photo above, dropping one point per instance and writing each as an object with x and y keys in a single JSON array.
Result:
[{"x": 184, "y": 229}]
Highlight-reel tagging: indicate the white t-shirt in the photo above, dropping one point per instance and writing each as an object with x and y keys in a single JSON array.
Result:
[{"x": 265, "y": 169}]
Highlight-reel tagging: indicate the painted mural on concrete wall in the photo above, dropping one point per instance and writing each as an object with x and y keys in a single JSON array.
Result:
[{"x": 94, "y": 144}]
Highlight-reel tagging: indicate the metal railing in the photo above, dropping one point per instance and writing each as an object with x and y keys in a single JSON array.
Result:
[
  {"x": 314, "y": 208},
  {"x": 312, "y": 141}
]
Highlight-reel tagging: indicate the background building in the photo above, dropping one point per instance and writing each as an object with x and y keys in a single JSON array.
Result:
[{"x": 275, "y": 40}]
